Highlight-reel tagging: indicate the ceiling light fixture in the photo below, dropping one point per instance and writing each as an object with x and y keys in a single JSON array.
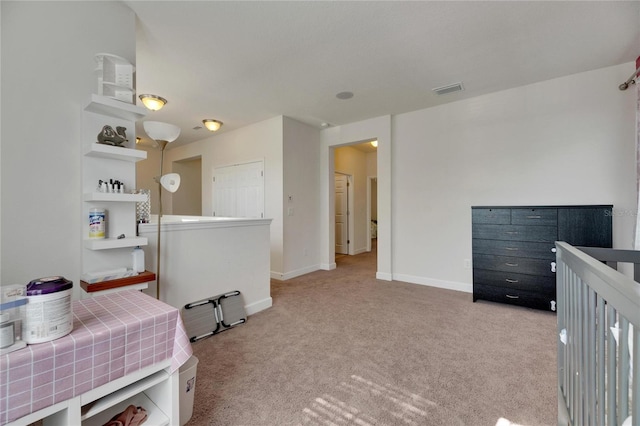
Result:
[
  {"x": 212, "y": 125},
  {"x": 153, "y": 102},
  {"x": 374, "y": 144},
  {"x": 138, "y": 139}
]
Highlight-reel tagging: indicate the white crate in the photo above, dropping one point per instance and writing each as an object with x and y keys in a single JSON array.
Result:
[{"x": 115, "y": 77}]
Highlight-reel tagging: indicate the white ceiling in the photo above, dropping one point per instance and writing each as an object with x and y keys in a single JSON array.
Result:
[{"x": 244, "y": 62}]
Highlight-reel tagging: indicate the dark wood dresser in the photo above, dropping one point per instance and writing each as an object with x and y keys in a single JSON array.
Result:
[{"x": 514, "y": 248}]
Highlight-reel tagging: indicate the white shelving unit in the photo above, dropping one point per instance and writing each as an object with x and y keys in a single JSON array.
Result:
[
  {"x": 115, "y": 243},
  {"x": 104, "y": 162},
  {"x": 116, "y": 197},
  {"x": 152, "y": 388},
  {"x": 114, "y": 152},
  {"x": 114, "y": 108}
]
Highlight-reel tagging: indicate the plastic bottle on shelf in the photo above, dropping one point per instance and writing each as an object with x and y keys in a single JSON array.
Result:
[
  {"x": 138, "y": 259},
  {"x": 97, "y": 222}
]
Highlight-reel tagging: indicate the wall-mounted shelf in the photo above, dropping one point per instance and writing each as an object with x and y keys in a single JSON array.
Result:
[
  {"x": 114, "y": 108},
  {"x": 114, "y": 152},
  {"x": 113, "y": 243},
  {"x": 142, "y": 277},
  {"x": 115, "y": 197}
]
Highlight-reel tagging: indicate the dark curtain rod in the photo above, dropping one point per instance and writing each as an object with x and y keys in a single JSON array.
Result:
[{"x": 625, "y": 85}]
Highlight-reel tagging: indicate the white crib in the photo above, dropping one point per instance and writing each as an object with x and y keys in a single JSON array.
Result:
[{"x": 598, "y": 343}]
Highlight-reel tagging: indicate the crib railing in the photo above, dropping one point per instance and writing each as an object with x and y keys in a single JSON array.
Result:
[{"x": 598, "y": 356}]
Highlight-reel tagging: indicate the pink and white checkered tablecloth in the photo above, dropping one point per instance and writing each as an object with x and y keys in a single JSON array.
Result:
[{"x": 113, "y": 335}]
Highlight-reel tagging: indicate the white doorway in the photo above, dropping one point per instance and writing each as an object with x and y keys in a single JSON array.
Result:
[
  {"x": 342, "y": 189},
  {"x": 238, "y": 190}
]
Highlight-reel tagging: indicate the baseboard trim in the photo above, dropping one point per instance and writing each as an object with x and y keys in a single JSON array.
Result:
[
  {"x": 328, "y": 266},
  {"x": 258, "y": 306},
  {"x": 385, "y": 276},
  {"x": 292, "y": 274},
  {"x": 432, "y": 282},
  {"x": 276, "y": 275},
  {"x": 360, "y": 251}
]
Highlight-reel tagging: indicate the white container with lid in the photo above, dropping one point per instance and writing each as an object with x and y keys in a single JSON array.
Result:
[
  {"x": 47, "y": 315},
  {"x": 97, "y": 222}
]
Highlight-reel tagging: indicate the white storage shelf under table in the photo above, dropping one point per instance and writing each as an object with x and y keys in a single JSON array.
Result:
[{"x": 125, "y": 348}]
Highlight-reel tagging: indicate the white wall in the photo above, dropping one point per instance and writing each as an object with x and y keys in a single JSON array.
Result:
[
  {"x": 564, "y": 141},
  {"x": 48, "y": 76},
  {"x": 301, "y": 148},
  {"x": 351, "y": 161},
  {"x": 372, "y": 163},
  {"x": 188, "y": 199}
]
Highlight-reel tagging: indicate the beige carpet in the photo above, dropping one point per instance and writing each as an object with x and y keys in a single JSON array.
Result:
[{"x": 340, "y": 347}]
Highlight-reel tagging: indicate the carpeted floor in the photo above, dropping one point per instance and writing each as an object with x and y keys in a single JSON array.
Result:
[{"x": 340, "y": 347}]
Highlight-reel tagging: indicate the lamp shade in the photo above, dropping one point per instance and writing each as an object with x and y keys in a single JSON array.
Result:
[
  {"x": 160, "y": 131},
  {"x": 170, "y": 182},
  {"x": 212, "y": 125},
  {"x": 153, "y": 102}
]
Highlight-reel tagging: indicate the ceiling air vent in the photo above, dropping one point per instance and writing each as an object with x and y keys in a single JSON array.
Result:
[{"x": 456, "y": 87}]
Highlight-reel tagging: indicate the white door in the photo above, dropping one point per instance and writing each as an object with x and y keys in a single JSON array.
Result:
[
  {"x": 342, "y": 213},
  {"x": 238, "y": 190}
]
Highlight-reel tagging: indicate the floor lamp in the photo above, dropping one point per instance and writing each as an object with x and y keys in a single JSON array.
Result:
[{"x": 162, "y": 133}]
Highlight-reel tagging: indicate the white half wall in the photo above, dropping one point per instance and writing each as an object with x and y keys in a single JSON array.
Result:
[
  {"x": 564, "y": 141},
  {"x": 48, "y": 53},
  {"x": 201, "y": 259}
]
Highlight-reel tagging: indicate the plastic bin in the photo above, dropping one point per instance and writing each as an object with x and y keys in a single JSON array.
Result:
[{"x": 187, "y": 388}]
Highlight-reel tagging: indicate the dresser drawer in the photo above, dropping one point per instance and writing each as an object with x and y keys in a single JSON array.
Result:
[
  {"x": 511, "y": 280},
  {"x": 514, "y": 297},
  {"x": 514, "y": 248},
  {"x": 517, "y": 265},
  {"x": 534, "y": 217},
  {"x": 493, "y": 216},
  {"x": 515, "y": 233}
]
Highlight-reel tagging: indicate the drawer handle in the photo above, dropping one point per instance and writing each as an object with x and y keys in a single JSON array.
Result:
[
  {"x": 511, "y": 232},
  {"x": 511, "y": 264},
  {"x": 510, "y": 296},
  {"x": 534, "y": 217},
  {"x": 512, "y": 248},
  {"x": 511, "y": 281}
]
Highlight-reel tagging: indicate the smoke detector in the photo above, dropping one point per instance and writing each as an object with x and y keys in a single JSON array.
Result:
[{"x": 455, "y": 87}]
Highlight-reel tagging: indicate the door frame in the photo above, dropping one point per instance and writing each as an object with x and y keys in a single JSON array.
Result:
[{"x": 332, "y": 138}]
